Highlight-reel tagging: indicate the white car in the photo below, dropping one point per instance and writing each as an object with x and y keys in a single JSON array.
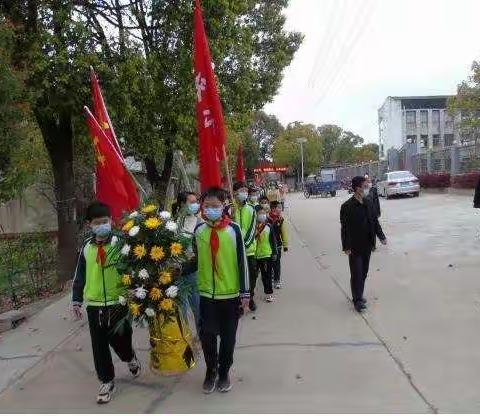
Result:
[{"x": 398, "y": 183}]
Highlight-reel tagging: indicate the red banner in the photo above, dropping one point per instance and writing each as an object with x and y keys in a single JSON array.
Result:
[
  {"x": 210, "y": 123},
  {"x": 114, "y": 185}
]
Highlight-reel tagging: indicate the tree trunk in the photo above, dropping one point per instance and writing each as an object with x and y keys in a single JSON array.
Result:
[
  {"x": 159, "y": 182},
  {"x": 58, "y": 137}
]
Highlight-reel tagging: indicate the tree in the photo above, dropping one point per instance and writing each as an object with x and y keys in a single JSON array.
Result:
[
  {"x": 286, "y": 149},
  {"x": 250, "y": 49},
  {"x": 366, "y": 153},
  {"x": 338, "y": 145}
]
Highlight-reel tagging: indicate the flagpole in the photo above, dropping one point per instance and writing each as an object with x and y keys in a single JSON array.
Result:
[{"x": 229, "y": 177}]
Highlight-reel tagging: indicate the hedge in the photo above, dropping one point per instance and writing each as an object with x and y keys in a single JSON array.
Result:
[{"x": 445, "y": 180}]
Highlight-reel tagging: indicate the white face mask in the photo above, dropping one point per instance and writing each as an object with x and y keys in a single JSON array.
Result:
[{"x": 365, "y": 192}]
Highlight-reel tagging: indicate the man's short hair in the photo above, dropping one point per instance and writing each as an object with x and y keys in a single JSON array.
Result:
[
  {"x": 275, "y": 204},
  {"x": 239, "y": 185},
  {"x": 357, "y": 182},
  {"x": 97, "y": 209},
  {"x": 215, "y": 192}
]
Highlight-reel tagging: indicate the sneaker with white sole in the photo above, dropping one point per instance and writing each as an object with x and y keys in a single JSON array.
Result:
[
  {"x": 269, "y": 298},
  {"x": 105, "y": 392},
  {"x": 278, "y": 285},
  {"x": 135, "y": 367},
  {"x": 224, "y": 384},
  {"x": 210, "y": 382}
]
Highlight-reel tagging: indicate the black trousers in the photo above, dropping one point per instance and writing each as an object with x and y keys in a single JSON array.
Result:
[
  {"x": 219, "y": 318},
  {"x": 108, "y": 328},
  {"x": 264, "y": 266},
  {"x": 277, "y": 266},
  {"x": 252, "y": 274},
  {"x": 359, "y": 264}
]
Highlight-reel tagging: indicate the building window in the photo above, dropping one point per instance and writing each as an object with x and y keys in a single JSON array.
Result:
[
  {"x": 448, "y": 121},
  {"x": 436, "y": 120},
  {"x": 424, "y": 120},
  {"x": 436, "y": 140},
  {"x": 449, "y": 140},
  {"x": 411, "y": 120},
  {"x": 424, "y": 140}
]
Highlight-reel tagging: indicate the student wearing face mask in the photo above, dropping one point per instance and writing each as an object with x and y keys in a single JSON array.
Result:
[
  {"x": 253, "y": 197},
  {"x": 223, "y": 284},
  {"x": 186, "y": 212},
  {"x": 359, "y": 230},
  {"x": 98, "y": 284},
  {"x": 244, "y": 215},
  {"x": 266, "y": 252},
  {"x": 265, "y": 203}
]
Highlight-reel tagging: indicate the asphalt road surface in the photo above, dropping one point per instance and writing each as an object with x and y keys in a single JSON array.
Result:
[{"x": 415, "y": 350}]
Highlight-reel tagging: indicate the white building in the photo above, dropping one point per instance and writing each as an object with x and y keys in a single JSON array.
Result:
[{"x": 423, "y": 120}]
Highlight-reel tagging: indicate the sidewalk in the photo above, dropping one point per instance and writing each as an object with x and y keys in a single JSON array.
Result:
[{"x": 305, "y": 353}]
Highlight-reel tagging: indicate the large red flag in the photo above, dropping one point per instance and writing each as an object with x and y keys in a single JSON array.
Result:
[
  {"x": 240, "y": 175},
  {"x": 114, "y": 185},
  {"x": 101, "y": 113},
  {"x": 210, "y": 123}
]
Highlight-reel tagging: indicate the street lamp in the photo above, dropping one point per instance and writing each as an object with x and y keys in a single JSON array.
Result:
[{"x": 301, "y": 141}]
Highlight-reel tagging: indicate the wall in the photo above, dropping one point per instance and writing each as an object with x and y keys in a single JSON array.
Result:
[{"x": 390, "y": 117}]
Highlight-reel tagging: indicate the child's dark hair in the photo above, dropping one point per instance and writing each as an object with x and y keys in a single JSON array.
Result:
[
  {"x": 239, "y": 185},
  {"x": 357, "y": 182},
  {"x": 259, "y": 208},
  {"x": 181, "y": 199},
  {"x": 215, "y": 192},
  {"x": 265, "y": 198},
  {"x": 275, "y": 204},
  {"x": 97, "y": 209}
]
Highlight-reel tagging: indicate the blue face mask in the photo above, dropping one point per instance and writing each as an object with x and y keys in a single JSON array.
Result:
[
  {"x": 242, "y": 196},
  {"x": 193, "y": 208},
  {"x": 102, "y": 230},
  {"x": 262, "y": 218},
  {"x": 213, "y": 214}
]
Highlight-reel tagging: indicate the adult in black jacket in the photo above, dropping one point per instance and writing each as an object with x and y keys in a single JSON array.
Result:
[
  {"x": 476, "y": 198},
  {"x": 359, "y": 230},
  {"x": 373, "y": 196}
]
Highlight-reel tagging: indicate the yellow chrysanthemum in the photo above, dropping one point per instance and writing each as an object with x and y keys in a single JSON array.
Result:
[
  {"x": 148, "y": 209},
  {"x": 127, "y": 279},
  {"x": 135, "y": 309},
  {"x": 165, "y": 278},
  {"x": 152, "y": 223},
  {"x": 176, "y": 249},
  {"x": 166, "y": 304},
  {"x": 128, "y": 225},
  {"x": 157, "y": 253},
  {"x": 140, "y": 251},
  {"x": 155, "y": 293}
]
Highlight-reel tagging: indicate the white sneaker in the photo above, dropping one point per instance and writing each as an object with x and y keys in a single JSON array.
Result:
[
  {"x": 105, "y": 392},
  {"x": 269, "y": 298}
]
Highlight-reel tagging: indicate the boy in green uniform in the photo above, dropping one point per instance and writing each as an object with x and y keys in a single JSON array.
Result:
[
  {"x": 266, "y": 252},
  {"x": 98, "y": 284},
  {"x": 223, "y": 284},
  {"x": 244, "y": 215}
]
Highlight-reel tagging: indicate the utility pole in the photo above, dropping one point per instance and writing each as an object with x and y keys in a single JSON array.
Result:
[{"x": 301, "y": 141}]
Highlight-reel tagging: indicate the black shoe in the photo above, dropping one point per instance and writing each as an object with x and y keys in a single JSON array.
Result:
[
  {"x": 359, "y": 306},
  {"x": 134, "y": 367},
  {"x": 210, "y": 382},
  {"x": 224, "y": 385},
  {"x": 252, "y": 305},
  {"x": 363, "y": 301}
]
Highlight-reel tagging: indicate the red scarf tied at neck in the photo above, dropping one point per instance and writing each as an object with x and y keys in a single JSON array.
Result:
[{"x": 214, "y": 241}]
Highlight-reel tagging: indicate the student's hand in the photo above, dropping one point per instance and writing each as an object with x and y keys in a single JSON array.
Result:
[
  {"x": 244, "y": 303},
  {"x": 384, "y": 242},
  {"x": 348, "y": 252},
  {"x": 77, "y": 312},
  {"x": 285, "y": 249}
]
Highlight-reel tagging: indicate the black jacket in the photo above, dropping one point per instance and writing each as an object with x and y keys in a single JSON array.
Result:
[
  {"x": 476, "y": 198},
  {"x": 374, "y": 201},
  {"x": 359, "y": 226}
]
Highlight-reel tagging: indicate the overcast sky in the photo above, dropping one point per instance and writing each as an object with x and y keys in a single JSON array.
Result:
[{"x": 358, "y": 52}]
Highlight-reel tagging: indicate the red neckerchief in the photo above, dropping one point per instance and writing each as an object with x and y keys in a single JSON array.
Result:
[
  {"x": 214, "y": 241},
  {"x": 101, "y": 254},
  {"x": 260, "y": 228},
  {"x": 274, "y": 218}
]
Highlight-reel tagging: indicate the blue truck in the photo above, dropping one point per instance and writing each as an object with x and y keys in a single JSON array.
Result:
[{"x": 323, "y": 184}]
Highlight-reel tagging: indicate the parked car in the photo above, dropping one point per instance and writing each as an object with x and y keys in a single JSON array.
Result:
[{"x": 398, "y": 183}]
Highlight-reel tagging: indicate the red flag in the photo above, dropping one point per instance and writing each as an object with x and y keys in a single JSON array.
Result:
[
  {"x": 101, "y": 113},
  {"x": 114, "y": 185},
  {"x": 210, "y": 123},
  {"x": 240, "y": 176}
]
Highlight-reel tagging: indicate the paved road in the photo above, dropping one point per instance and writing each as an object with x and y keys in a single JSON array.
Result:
[{"x": 416, "y": 350}]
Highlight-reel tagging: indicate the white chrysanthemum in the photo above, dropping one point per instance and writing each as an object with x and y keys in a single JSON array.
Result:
[
  {"x": 150, "y": 312},
  {"x": 122, "y": 300},
  {"x": 171, "y": 226},
  {"x": 143, "y": 274},
  {"x": 134, "y": 231},
  {"x": 134, "y": 214},
  {"x": 165, "y": 215},
  {"x": 141, "y": 292},
  {"x": 172, "y": 291},
  {"x": 114, "y": 240},
  {"x": 125, "y": 250}
]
